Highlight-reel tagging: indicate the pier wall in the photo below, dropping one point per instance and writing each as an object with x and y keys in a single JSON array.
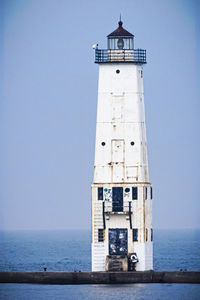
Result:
[{"x": 87, "y": 277}]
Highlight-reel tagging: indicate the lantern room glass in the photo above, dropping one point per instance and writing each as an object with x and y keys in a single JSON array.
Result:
[{"x": 120, "y": 43}]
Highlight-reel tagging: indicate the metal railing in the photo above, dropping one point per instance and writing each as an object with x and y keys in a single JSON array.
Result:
[
  {"x": 109, "y": 56},
  {"x": 109, "y": 207}
]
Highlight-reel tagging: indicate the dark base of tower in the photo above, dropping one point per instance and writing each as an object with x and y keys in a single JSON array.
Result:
[
  {"x": 87, "y": 277},
  {"x": 121, "y": 263}
]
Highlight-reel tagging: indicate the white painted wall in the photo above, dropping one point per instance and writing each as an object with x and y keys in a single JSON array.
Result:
[
  {"x": 121, "y": 120},
  {"x": 121, "y": 116}
]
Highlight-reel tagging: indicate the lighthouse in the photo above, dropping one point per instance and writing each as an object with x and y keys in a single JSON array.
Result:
[{"x": 122, "y": 235}]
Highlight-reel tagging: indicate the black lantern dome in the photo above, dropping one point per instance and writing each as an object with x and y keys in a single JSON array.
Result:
[{"x": 120, "y": 39}]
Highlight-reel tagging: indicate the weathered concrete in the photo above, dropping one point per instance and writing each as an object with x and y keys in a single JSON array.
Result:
[{"x": 86, "y": 277}]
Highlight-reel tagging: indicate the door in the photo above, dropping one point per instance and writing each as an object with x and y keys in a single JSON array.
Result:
[
  {"x": 117, "y": 199},
  {"x": 118, "y": 244}
]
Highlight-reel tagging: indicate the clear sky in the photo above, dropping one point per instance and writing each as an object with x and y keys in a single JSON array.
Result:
[{"x": 49, "y": 98}]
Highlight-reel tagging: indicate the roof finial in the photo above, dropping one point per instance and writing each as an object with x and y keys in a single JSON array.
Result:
[{"x": 120, "y": 21}]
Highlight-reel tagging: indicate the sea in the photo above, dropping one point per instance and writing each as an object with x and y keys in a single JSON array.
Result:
[{"x": 70, "y": 250}]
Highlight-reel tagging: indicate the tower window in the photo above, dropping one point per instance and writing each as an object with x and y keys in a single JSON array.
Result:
[
  {"x": 141, "y": 73},
  {"x": 146, "y": 234},
  {"x": 135, "y": 234},
  {"x": 100, "y": 193},
  {"x": 151, "y": 234},
  {"x": 151, "y": 193},
  {"x": 134, "y": 193},
  {"x": 117, "y": 71},
  {"x": 127, "y": 190},
  {"x": 103, "y": 143},
  {"x": 132, "y": 143},
  {"x": 100, "y": 235},
  {"x": 146, "y": 193}
]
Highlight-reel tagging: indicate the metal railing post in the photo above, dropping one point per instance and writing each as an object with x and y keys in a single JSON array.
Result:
[
  {"x": 103, "y": 212},
  {"x": 130, "y": 219}
]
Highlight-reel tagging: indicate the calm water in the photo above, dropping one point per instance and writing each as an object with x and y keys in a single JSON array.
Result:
[{"x": 70, "y": 250}]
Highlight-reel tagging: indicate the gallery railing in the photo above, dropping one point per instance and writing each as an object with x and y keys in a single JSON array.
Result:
[
  {"x": 111, "y": 208},
  {"x": 106, "y": 56}
]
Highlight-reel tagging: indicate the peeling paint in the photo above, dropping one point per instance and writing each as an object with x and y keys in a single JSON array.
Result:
[{"x": 120, "y": 121}]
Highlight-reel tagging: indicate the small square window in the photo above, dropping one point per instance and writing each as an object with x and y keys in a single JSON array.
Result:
[
  {"x": 134, "y": 193},
  {"x": 100, "y": 193},
  {"x": 146, "y": 193},
  {"x": 135, "y": 234},
  {"x": 100, "y": 235}
]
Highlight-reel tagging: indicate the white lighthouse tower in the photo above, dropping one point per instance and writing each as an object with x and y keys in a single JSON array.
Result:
[{"x": 121, "y": 192}]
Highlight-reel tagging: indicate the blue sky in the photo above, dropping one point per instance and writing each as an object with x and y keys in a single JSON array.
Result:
[{"x": 49, "y": 98}]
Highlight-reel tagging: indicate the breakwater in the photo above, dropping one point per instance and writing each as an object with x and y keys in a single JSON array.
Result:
[{"x": 87, "y": 277}]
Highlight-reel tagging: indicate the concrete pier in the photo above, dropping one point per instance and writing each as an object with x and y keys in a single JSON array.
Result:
[{"x": 87, "y": 277}]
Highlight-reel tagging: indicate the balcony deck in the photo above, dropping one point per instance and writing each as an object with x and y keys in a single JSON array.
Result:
[
  {"x": 124, "y": 209},
  {"x": 110, "y": 209},
  {"x": 137, "y": 56}
]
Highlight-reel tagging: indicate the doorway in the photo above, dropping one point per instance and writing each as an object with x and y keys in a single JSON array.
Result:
[
  {"x": 118, "y": 244},
  {"x": 117, "y": 199}
]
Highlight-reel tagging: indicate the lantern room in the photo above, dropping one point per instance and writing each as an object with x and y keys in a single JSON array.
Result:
[
  {"x": 120, "y": 39},
  {"x": 120, "y": 48}
]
